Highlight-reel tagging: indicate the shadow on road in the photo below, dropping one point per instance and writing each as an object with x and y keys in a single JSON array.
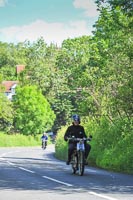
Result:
[{"x": 93, "y": 179}]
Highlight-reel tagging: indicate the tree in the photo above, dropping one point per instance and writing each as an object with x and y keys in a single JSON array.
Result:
[
  {"x": 33, "y": 113},
  {"x": 6, "y": 110},
  {"x": 71, "y": 63},
  {"x": 6, "y": 113},
  {"x": 113, "y": 36},
  {"x": 125, "y": 5}
]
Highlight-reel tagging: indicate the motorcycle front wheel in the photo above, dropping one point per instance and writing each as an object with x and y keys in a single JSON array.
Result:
[
  {"x": 44, "y": 145},
  {"x": 81, "y": 163}
]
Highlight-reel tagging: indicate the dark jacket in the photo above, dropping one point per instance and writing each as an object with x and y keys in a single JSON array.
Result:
[
  {"x": 44, "y": 137},
  {"x": 76, "y": 131}
]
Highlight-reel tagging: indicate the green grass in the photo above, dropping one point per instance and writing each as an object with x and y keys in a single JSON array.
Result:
[{"x": 16, "y": 140}]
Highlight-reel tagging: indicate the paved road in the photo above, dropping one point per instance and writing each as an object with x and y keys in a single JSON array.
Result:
[{"x": 34, "y": 174}]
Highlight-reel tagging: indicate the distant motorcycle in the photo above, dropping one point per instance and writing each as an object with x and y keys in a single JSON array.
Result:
[
  {"x": 44, "y": 143},
  {"x": 78, "y": 156}
]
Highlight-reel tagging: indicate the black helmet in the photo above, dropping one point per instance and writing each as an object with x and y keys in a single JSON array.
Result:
[{"x": 76, "y": 118}]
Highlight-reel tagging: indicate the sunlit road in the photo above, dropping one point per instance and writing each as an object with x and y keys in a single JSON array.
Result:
[{"x": 34, "y": 174}]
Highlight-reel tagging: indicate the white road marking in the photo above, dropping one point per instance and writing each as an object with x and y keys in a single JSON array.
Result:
[
  {"x": 10, "y": 163},
  {"x": 26, "y": 170},
  {"x": 55, "y": 180},
  {"x": 102, "y": 196}
]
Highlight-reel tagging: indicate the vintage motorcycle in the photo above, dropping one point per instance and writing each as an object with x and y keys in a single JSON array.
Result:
[{"x": 78, "y": 156}]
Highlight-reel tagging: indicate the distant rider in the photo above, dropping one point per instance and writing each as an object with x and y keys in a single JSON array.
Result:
[
  {"x": 77, "y": 131},
  {"x": 44, "y": 138}
]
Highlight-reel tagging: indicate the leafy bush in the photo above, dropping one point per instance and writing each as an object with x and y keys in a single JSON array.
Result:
[
  {"x": 19, "y": 140},
  {"x": 111, "y": 144},
  {"x": 33, "y": 113},
  {"x": 61, "y": 145}
]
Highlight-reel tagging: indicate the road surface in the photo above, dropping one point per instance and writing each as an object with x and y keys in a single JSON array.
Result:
[{"x": 35, "y": 174}]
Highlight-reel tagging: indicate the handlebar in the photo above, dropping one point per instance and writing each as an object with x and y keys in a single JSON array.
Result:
[{"x": 79, "y": 139}]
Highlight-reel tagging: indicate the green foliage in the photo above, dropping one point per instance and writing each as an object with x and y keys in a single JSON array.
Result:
[
  {"x": 6, "y": 113},
  {"x": 71, "y": 63},
  {"x": 125, "y": 5},
  {"x": 33, "y": 114},
  {"x": 13, "y": 140},
  {"x": 10, "y": 56},
  {"x": 112, "y": 146},
  {"x": 61, "y": 147}
]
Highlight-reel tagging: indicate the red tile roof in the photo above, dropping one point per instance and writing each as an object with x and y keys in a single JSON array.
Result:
[
  {"x": 8, "y": 85},
  {"x": 20, "y": 68}
]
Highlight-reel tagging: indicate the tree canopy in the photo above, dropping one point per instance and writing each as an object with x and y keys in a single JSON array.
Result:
[{"x": 33, "y": 113}]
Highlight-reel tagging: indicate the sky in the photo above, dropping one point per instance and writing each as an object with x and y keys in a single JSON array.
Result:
[{"x": 54, "y": 20}]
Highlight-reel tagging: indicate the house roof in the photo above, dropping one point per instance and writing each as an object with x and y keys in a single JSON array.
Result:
[
  {"x": 8, "y": 85},
  {"x": 20, "y": 68}
]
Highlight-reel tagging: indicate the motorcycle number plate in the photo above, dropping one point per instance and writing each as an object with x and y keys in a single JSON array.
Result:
[{"x": 80, "y": 146}]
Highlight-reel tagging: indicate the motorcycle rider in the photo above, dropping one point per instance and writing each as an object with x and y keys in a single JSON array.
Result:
[
  {"x": 44, "y": 138},
  {"x": 77, "y": 131}
]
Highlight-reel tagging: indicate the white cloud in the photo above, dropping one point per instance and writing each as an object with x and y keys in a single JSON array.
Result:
[
  {"x": 51, "y": 32},
  {"x": 3, "y": 3},
  {"x": 88, "y": 5}
]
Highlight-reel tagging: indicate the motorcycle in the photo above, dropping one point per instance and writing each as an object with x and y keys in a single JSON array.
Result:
[
  {"x": 78, "y": 156},
  {"x": 44, "y": 143}
]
